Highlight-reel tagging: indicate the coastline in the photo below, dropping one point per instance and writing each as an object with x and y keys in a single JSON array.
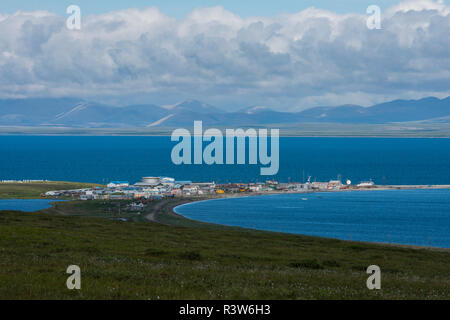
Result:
[
  {"x": 172, "y": 213},
  {"x": 308, "y": 130},
  {"x": 176, "y": 259},
  {"x": 176, "y": 251},
  {"x": 164, "y": 211},
  {"x": 380, "y": 136}
]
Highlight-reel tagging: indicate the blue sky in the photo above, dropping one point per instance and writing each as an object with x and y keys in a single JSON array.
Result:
[{"x": 179, "y": 8}]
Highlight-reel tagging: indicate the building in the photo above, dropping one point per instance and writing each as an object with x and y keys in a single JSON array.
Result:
[
  {"x": 168, "y": 181},
  {"x": 255, "y": 188},
  {"x": 319, "y": 185},
  {"x": 52, "y": 194},
  {"x": 366, "y": 184},
  {"x": 305, "y": 186},
  {"x": 190, "y": 190},
  {"x": 334, "y": 184},
  {"x": 205, "y": 187},
  {"x": 86, "y": 197},
  {"x": 149, "y": 182}
]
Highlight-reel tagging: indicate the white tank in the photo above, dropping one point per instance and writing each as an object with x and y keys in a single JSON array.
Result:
[{"x": 151, "y": 180}]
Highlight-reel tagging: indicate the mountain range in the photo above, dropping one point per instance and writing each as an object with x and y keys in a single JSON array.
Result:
[{"x": 78, "y": 113}]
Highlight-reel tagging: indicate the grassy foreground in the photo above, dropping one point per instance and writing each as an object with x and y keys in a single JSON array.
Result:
[
  {"x": 33, "y": 190},
  {"x": 146, "y": 260}
]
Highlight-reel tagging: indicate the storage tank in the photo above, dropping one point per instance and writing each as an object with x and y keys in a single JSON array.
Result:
[{"x": 151, "y": 180}]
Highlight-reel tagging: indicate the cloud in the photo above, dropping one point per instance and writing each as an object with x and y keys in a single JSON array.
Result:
[
  {"x": 289, "y": 61},
  {"x": 419, "y": 5}
]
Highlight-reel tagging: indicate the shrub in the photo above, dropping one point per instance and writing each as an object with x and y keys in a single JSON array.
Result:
[
  {"x": 154, "y": 252},
  {"x": 331, "y": 263},
  {"x": 307, "y": 264},
  {"x": 190, "y": 255}
]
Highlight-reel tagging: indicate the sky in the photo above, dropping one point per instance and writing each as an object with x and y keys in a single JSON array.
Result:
[{"x": 285, "y": 55}]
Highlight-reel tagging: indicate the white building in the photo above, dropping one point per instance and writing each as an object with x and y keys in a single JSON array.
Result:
[
  {"x": 255, "y": 188},
  {"x": 190, "y": 190},
  {"x": 319, "y": 185},
  {"x": 168, "y": 181},
  {"x": 118, "y": 184},
  {"x": 53, "y": 193},
  {"x": 366, "y": 184}
]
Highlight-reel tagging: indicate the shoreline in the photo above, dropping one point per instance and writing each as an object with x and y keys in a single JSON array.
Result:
[
  {"x": 168, "y": 136},
  {"x": 184, "y": 262},
  {"x": 163, "y": 211},
  {"x": 172, "y": 206}
]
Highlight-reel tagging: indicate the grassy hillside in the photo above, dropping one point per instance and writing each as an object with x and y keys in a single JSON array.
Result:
[
  {"x": 34, "y": 189},
  {"x": 144, "y": 260}
]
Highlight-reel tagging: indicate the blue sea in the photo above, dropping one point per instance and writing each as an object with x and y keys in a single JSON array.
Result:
[
  {"x": 101, "y": 159},
  {"x": 25, "y": 205},
  {"x": 410, "y": 217},
  {"x": 413, "y": 217}
]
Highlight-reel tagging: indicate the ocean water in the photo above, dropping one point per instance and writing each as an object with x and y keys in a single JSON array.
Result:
[
  {"x": 410, "y": 217},
  {"x": 25, "y": 205},
  {"x": 413, "y": 217},
  {"x": 101, "y": 159}
]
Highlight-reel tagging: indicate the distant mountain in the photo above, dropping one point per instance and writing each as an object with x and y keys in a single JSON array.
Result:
[
  {"x": 92, "y": 115},
  {"x": 254, "y": 110},
  {"x": 394, "y": 111},
  {"x": 70, "y": 112},
  {"x": 75, "y": 113},
  {"x": 185, "y": 113},
  {"x": 193, "y": 106},
  {"x": 409, "y": 110},
  {"x": 33, "y": 112}
]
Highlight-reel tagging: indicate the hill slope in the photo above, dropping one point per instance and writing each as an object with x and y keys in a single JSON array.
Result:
[
  {"x": 77, "y": 113},
  {"x": 143, "y": 260}
]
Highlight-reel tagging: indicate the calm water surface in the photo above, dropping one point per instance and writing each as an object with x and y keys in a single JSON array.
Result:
[
  {"x": 25, "y": 205},
  {"x": 414, "y": 217},
  {"x": 99, "y": 159},
  {"x": 410, "y": 217}
]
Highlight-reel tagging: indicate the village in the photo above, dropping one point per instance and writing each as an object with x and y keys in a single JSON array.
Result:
[{"x": 154, "y": 188}]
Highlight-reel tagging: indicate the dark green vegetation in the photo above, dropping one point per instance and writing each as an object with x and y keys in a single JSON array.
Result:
[
  {"x": 96, "y": 208},
  {"x": 189, "y": 260},
  {"x": 34, "y": 189}
]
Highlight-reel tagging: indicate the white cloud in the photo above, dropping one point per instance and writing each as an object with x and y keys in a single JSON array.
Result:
[
  {"x": 419, "y": 5},
  {"x": 289, "y": 60}
]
